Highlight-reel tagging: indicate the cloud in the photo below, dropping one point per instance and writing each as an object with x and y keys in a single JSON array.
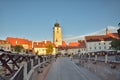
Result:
[{"x": 69, "y": 38}]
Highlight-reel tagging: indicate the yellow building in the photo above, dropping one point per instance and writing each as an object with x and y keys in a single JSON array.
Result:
[
  {"x": 40, "y": 47},
  {"x": 57, "y": 34}
]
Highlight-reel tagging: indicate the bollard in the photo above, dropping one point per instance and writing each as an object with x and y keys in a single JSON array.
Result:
[
  {"x": 25, "y": 72},
  {"x": 31, "y": 63},
  {"x": 95, "y": 58},
  {"x": 106, "y": 58}
]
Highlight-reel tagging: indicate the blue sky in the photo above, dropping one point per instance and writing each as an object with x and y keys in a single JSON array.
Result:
[{"x": 34, "y": 19}]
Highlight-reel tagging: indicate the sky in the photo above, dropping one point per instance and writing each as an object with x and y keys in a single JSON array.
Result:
[{"x": 35, "y": 19}]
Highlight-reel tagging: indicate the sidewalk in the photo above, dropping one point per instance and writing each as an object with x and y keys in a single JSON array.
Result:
[
  {"x": 41, "y": 76},
  {"x": 65, "y": 69}
]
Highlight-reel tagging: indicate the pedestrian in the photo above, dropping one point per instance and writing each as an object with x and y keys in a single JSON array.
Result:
[{"x": 55, "y": 57}]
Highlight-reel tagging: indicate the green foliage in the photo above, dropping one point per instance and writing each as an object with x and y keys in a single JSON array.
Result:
[
  {"x": 115, "y": 44},
  {"x": 18, "y": 48},
  {"x": 36, "y": 53},
  {"x": 49, "y": 49}
]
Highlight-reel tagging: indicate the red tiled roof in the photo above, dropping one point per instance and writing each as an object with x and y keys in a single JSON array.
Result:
[
  {"x": 73, "y": 44},
  {"x": 19, "y": 41},
  {"x": 42, "y": 44},
  {"x": 79, "y": 44},
  {"x": 108, "y": 37},
  {"x": 82, "y": 44},
  {"x": 4, "y": 42},
  {"x": 64, "y": 44},
  {"x": 113, "y": 35}
]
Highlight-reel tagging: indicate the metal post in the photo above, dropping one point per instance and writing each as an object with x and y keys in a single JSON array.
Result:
[
  {"x": 95, "y": 57},
  {"x": 25, "y": 72},
  {"x": 106, "y": 58}
]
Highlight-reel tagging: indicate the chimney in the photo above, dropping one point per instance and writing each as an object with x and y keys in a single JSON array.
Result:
[{"x": 45, "y": 41}]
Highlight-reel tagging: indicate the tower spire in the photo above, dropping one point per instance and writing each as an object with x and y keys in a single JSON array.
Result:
[
  {"x": 107, "y": 31},
  {"x": 56, "y": 24}
]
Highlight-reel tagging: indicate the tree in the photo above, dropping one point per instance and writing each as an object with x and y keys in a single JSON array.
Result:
[
  {"x": 18, "y": 48},
  {"x": 49, "y": 49},
  {"x": 115, "y": 44},
  {"x": 36, "y": 53}
]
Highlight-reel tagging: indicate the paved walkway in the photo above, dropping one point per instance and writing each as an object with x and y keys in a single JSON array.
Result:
[
  {"x": 41, "y": 76},
  {"x": 64, "y": 69}
]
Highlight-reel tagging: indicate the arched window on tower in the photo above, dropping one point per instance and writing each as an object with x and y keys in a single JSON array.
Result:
[
  {"x": 56, "y": 40},
  {"x": 57, "y": 28},
  {"x": 57, "y": 31}
]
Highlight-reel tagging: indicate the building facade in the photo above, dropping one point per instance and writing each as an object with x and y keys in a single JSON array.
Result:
[
  {"x": 40, "y": 47},
  {"x": 57, "y": 34},
  {"x": 76, "y": 47},
  {"x": 25, "y": 43},
  {"x": 4, "y": 45},
  {"x": 100, "y": 42}
]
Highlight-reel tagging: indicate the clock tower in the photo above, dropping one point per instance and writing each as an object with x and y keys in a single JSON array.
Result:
[{"x": 57, "y": 34}]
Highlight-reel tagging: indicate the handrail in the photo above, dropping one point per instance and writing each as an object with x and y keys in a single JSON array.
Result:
[
  {"x": 32, "y": 70},
  {"x": 29, "y": 74},
  {"x": 12, "y": 78}
]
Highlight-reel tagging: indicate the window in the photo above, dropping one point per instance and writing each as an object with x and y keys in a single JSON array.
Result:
[
  {"x": 56, "y": 40},
  {"x": 109, "y": 47},
  {"x": 110, "y": 43},
  {"x": 104, "y": 47},
  {"x": 95, "y": 47},
  {"x": 104, "y": 43},
  {"x": 90, "y": 48},
  {"x": 57, "y": 28},
  {"x": 99, "y": 47},
  {"x": 8, "y": 48}
]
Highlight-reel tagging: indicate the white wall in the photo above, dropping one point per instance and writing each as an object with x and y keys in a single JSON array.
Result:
[
  {"x": 75, "y": 50},
  {"x": 98, "y": 46}
]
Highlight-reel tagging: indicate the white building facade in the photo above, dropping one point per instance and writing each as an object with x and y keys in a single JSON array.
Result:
[
  {"x": 98, "y": 46},
  {"x": 76, "y": 50},
  {"x": 99, "y": 42}
]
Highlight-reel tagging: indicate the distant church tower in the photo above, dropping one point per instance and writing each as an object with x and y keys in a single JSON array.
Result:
[
  {"x": 57, "y": 34},
  {"x": 107, "y": 31}
]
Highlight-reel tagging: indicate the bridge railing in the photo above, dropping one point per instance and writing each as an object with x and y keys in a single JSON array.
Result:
[
  {"x": 25, "y": 71},
  {"x": 28, "y": 66},
  {"x": 19, "y": 74}
]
